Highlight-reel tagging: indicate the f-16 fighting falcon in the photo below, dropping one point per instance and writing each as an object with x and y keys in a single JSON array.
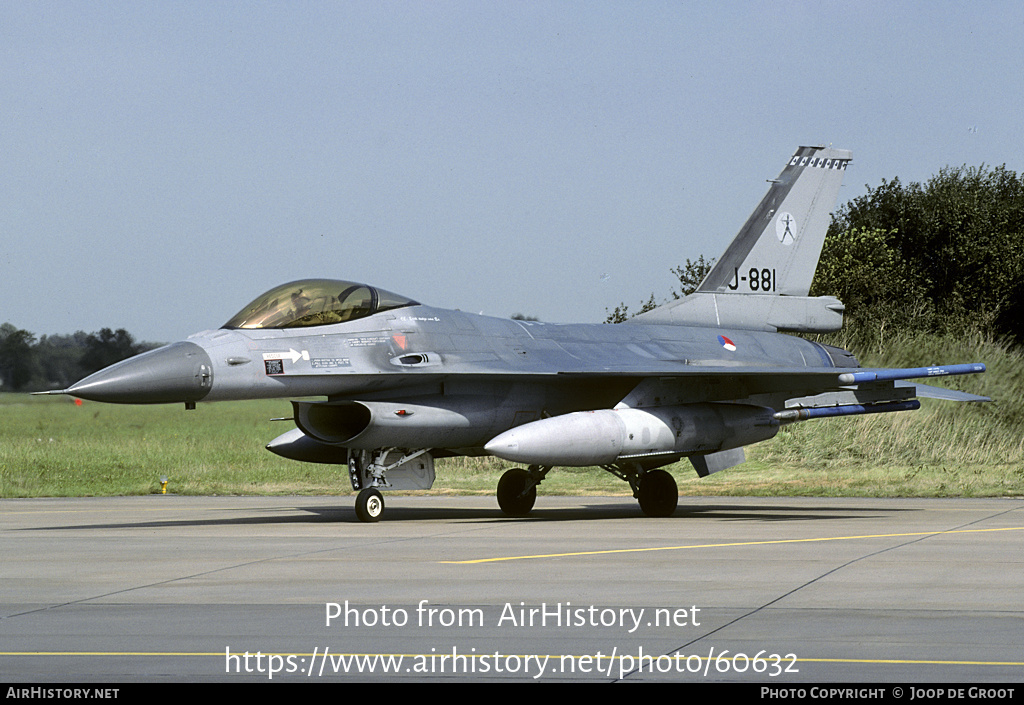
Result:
[{"x": 404, "y": 383}]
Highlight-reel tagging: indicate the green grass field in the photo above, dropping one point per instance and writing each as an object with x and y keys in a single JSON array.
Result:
[{"x": 49, "y": 447}]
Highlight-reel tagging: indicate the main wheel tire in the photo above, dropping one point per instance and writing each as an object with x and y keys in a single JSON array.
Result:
[
  {"x": 658, "y": 494},
  {"x": 513, "y": 497},
  {"x": 369, "y": 505}
]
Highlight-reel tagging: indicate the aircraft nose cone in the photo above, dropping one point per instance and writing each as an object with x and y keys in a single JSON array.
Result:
[{"x": 179, "y": 372}]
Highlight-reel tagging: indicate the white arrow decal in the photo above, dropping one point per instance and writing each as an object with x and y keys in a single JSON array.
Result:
[{"x": 292, "y": 355}]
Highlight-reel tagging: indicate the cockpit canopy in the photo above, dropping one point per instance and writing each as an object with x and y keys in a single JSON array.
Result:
[{"x": 315, "y": 302}]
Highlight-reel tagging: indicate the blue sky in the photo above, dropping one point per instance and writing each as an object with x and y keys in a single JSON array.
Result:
[{"x": 163, "y": 163}]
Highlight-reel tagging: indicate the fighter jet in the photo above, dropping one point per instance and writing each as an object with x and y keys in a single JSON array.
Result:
[{"x": 402, "y": 383}]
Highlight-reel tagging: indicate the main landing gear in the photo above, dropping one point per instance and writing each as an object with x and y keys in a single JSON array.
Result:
[
  {"x": 655, "y": 490},
  {"x": 517, "y": 489},
  {"x": 657, "y": 493}
]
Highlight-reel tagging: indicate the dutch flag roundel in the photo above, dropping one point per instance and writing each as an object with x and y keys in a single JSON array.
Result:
[{"x": 726, "y": 343}]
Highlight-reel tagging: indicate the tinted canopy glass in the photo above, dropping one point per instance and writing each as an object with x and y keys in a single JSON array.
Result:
[{"x": 315, "y": 302}]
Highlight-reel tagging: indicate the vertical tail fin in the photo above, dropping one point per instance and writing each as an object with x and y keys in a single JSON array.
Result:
[
  {"x": 777, "y": 249},
  {"x": 762, "y": 280}
]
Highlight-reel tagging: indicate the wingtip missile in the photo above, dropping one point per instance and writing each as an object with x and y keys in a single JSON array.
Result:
[{"x": 860, "y": 376}]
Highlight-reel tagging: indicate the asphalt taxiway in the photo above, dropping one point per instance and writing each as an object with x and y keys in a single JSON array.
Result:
[{"x": 779, "y": 590}]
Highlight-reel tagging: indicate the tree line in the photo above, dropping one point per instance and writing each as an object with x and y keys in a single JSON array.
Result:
[
  {"x": 58, "y": 361},
  {"x": 944, "y": 257}
]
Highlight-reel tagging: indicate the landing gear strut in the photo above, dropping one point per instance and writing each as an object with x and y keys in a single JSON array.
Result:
[
  {"x": 387, "y": 469},
  {"x": 517, "y": 489}
]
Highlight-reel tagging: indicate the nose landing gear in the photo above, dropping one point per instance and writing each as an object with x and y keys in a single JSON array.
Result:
[{"x": 369, "y": 505}]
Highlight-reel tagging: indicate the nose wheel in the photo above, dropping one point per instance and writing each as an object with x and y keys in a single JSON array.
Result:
[{"x": 369, "y": 505}]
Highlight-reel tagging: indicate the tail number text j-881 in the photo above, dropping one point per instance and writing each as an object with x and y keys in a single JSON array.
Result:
[{"x": 756, "y": 279}]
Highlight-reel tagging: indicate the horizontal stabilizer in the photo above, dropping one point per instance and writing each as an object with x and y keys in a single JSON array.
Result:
[{"x": 930, "y": 392}]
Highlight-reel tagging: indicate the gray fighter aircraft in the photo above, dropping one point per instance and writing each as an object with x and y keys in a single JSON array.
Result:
[{"x": 405, "y": 383}]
